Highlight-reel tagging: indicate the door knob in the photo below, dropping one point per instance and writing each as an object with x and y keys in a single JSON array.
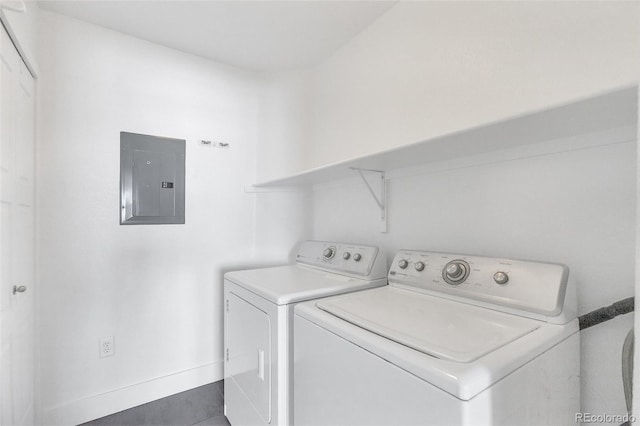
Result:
[{"x": 19, "y": 289}]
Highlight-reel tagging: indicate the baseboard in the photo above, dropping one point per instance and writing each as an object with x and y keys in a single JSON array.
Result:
[{"x": 96, "y": 406}]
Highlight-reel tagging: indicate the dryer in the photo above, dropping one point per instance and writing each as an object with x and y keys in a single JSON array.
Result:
[
  {"x": 453, "y": 340},
  {"x": 258, "y": 322}
]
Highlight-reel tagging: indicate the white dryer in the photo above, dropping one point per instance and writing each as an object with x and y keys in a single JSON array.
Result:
[
  {"x": 453, "y": 340},
  {"x": 258, "y": 321}
]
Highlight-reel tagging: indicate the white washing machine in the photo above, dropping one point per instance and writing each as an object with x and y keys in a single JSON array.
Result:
[
  {"x": 258, "y": 321},
  {"x": 452, "y": 340}
]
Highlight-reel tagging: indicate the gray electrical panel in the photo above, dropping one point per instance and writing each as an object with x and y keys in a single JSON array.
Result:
[{"x": 151, "y": 179}]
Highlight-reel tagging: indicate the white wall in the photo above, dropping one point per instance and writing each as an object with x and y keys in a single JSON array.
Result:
[
  {"x": 156, "y": 288},
  {"x": 284, "y": 123},
  {"x": 575, "y": 207},
  {"x": 429, "y": 68}
]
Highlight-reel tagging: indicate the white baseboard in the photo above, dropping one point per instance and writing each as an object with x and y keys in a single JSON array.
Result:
[{"x": 95, "y": 406}]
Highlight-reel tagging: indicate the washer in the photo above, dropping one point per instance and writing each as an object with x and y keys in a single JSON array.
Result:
[
  {"x": 452, "y": 340},
  {"x": 258, "y": 321}
]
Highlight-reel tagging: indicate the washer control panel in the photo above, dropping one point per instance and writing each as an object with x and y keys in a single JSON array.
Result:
[
  {"x": 361, "y": 260},
  {"x": 531, "y": 286}
]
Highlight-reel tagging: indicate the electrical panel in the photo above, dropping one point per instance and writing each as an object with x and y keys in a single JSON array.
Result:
[{"x": 152, "y": 180}]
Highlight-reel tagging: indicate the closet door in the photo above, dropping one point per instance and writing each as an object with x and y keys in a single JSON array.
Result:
[{"x": 17, "y": 238}]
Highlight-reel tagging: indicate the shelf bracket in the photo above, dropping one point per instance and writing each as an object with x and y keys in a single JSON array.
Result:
[{"x": 379, "y": 194}]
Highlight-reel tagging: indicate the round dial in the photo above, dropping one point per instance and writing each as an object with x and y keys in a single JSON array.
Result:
[
  {"x": 329, "y": 252},
  {"x": 455, "y": 272},
  {"x": 346, "y": 255},
  {"x": 501, "y": 277},
  {"x": 403, "y": 263},
  {"x": 357, "y": 257},
  {"x": 419, "y": 266}
]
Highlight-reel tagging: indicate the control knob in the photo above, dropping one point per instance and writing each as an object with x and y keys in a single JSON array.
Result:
[
  {"x": 501, "y": 277},
  {"x": 403, "y": 263},
  {"x": 357, "y": 257},
  {"x": 419, "y": 266},
  {"x": 455, "y": 272},
  {"x": 346, "y": 255},
  {"x": 329, "y": 252}
]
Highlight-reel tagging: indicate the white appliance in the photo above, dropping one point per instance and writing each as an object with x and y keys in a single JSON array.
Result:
[
  {"x": 258, "y": 321},
  {"x": 452, "y": 340}
]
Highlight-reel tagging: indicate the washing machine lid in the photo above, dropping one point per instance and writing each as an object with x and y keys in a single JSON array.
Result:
[{"x": 437, "y": 327}]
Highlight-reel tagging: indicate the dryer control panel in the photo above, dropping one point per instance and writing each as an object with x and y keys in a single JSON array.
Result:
[
  {"x": 366, "y": 262},
  {"x": 534, "y": 287}
]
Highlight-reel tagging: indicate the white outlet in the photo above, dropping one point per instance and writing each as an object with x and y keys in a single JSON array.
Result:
[{"x": 107, "y": 347}]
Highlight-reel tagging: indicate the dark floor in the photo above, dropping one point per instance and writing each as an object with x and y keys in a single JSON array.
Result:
[
  {"x": 203, "y": 406},
  {"x": 214, "y": 421}
]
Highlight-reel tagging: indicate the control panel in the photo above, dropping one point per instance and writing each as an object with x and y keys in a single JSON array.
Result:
[
  {"x": 531, "y": 286},
  {"x": 360, "y": 260}
]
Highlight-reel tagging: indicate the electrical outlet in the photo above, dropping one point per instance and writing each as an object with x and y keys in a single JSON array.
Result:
[{"x": 107, "y": 347}]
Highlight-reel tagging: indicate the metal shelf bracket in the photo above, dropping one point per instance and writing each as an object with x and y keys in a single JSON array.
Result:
[{"x": 378, "y": 191}]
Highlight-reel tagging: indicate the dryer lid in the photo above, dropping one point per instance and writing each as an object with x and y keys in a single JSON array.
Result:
[
  {"x": 438, "y": 327},
  {"x": 284, "y": 285}
]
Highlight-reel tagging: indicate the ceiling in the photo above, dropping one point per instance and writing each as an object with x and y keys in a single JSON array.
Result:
[{"x": 253, "y": 35}]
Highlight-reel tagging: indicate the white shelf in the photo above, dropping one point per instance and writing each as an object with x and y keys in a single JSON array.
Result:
[{"x": 598, "y": 113}]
